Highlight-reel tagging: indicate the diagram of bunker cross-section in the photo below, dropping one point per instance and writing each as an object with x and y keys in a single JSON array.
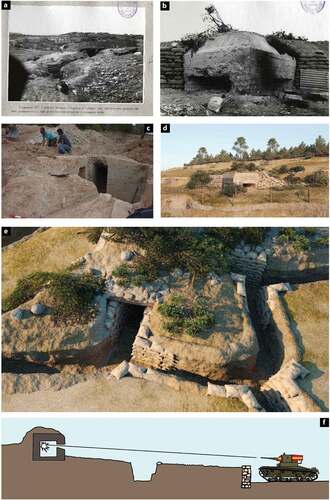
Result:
[{"x": 156, "y": 458}]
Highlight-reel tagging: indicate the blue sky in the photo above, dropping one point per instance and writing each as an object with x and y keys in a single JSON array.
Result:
[
  {"x": 237, "y": 435},
  {"x": 181, "y": 144}
]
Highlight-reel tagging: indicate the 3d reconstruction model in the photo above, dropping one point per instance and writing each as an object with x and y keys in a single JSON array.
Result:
[
  {"x": 40, "y": 466},
  {"x": 212, "y": 319}
]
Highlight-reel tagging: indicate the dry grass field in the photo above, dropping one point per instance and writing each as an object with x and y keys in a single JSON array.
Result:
[{"x": 208, "y": 201}]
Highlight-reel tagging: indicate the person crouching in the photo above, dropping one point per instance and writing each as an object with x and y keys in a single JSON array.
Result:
[{"x": 64, "y": 144}]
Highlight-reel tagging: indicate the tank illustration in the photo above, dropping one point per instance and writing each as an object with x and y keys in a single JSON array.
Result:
[{"x": 288, "y": 469}]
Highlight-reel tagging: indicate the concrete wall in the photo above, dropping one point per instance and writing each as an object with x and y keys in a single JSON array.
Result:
[{"x": 126, "y": 178}]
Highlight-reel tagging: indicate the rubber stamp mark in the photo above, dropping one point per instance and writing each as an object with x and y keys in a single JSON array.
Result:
[
  {"x": 127, "y": 9},
  {"x": 313, "y": 6}
]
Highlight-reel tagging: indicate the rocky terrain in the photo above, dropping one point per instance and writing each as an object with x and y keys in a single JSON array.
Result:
[
  {"x": 39, "y": 182},
  {"x": 81, "y": 67},
  {"x": 251, "y": 354}
]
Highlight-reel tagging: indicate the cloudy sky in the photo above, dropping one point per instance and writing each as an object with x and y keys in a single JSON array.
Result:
[
  {"x": 59, "y": 19},
  {"x": 262, "y": 16}
]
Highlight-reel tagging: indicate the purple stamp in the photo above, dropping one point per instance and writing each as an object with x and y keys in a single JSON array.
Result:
[
  {"x": 127, "y": 9},
  {"x": 313, "y": 6}
]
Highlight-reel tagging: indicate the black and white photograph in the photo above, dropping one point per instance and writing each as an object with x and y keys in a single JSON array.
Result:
[
  {"x": 245, "y": 58},
  {"x": 78, "y": 54}
]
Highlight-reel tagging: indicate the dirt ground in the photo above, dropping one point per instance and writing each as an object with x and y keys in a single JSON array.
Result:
[
  {"x": 295, "y": 201},
  {"x": 181, "y": 103},
  {"x": 85, "y": 141},
  {"x": 307, "y": 306},
  {"x": 128, "y": 394}
]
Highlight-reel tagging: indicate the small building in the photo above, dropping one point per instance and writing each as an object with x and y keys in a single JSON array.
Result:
[{"x": 233, "y": 180}]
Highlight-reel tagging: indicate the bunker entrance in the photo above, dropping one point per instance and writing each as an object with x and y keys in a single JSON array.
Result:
[
  {"x": 101, "y": 176},
  {"x": 221, "y": 83},
  {"x": 82, "y": 172},
  {"x": 131, "y": 319}
]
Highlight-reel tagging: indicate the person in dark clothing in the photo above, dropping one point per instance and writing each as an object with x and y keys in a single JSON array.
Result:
[{"x": 64, "y": 144}]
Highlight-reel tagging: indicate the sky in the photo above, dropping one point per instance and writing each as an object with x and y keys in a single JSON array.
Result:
[
  {"x": 181, "y": 144},
  {"x": 261, "y": 16},
  {"x": 60, "y": 19},
  {"x": 248, "y": 435}
]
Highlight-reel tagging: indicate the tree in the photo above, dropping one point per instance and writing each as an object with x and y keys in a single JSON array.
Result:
[
  {"x": 321, "y": 146},
  {"x": 198, "y": 178},
  {"x": 273, "y": 145},
  {"x": 240, "y": 147}
]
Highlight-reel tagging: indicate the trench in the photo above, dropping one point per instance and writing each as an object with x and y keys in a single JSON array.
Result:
[{"x": 271, "y": 350}]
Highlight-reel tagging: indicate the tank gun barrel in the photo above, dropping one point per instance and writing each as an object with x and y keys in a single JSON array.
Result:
[{"x": 270, "y": 458}]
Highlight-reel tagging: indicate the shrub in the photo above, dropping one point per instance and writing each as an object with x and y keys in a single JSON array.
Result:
[
  {"x": 198, "y": 178},
  {"x": 93, "y": 233},
  {"x": 184, "y": 317},
  {"x": 322, "y": 241},
  {"x": 318, "y": 178},
  {"x": 283, "y": 169},
  {"x": 25, "y": 289},
  {"x": 298, "y": 168},
  {"x": 298, "y": 241},
  {"x": 71, "y": 296}
]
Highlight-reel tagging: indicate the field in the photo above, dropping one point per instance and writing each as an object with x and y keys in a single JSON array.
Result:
[{"x": 208, "y": 201}]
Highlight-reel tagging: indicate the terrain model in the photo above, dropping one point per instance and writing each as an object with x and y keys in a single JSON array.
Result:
[
  {"x": 154, "y": 319},
  {"x": 274, "y": 182},
  {"x": 225, "y": 71},
  {"x": 77, "y": 67},
  {"x": 76, "y": 171}
]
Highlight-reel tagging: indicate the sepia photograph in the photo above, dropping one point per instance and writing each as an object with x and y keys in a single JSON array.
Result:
[
  {"x": 77, "y": 171},
  {"x": 238, "y": 58}
]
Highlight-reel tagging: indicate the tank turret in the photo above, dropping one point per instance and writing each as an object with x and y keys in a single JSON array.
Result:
[{"x": 288, "y": 469}]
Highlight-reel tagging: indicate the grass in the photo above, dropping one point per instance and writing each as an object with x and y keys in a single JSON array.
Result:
[
  {"x": 308, "y": 309},
  {"x": 49, "y": 251},
  {"x": 288, "y": 201},
  {"x": 70, "y": 296}
]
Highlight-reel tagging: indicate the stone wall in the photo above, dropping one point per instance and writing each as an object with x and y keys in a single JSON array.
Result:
[
  {"x": 172, "y": 65},
  {"x": 246, "y": 475}
]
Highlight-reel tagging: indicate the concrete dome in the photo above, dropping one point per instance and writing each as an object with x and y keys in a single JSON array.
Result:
[{"x": 233, "y": 40}]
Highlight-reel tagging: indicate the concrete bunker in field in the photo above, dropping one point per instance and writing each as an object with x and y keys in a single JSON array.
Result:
[{"x": 238, "y": 61}]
